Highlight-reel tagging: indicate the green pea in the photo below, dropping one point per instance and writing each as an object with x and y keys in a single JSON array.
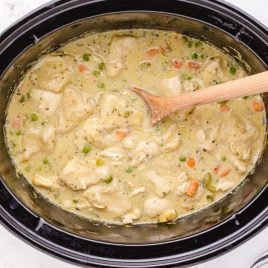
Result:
[
  {"x": 86, "y": 57},
  {"x": 34, "y": 117},
  {"x": 194, "y": 56},
  {"x": 86, "y": 149},
  {"x": 223, "y": 158},
  {"x": 182, "y": 158},
  {"x": 101, "y": 85},
  {"x": 232, "y": 70},
  {"x": 129, "y": 169},
  {"x": 101, "y": 66},
  {"x": 109, "y": 179}
]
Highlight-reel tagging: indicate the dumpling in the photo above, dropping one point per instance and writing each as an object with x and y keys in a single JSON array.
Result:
[
  {"x": 119, "y": 49},
  {"x": 51, "y": 73}
]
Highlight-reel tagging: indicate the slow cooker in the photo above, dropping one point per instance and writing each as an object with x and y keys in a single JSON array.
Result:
[{"x": 190, "y": 239}]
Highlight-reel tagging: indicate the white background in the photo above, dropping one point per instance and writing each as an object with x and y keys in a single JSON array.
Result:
[{"x": 16, "y": 254}]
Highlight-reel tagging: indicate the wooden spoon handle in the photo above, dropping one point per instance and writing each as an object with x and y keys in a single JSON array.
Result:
[{"x": 247, "y": 86}]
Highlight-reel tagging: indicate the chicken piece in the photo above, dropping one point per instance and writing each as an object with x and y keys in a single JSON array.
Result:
[
  {"x": 51, "y": 73},
  {"x": 161, "y": 184},
  {"x": 137, "y": 191},
  {"x": 50, "y": 182},
  {"x": 120, "y": 47},
  {"x": 182, "y": 182},
  {"x": 212, "y": 70},
  {"x": 239, "y": 165},
  {"x": 46, "y": 101},
  {"x": 37, "y": 139},
  {"x": 76, "y": 105},
  {"x": 170, "y": 140},
  {"x": 154, "y": 206},
  {"x": 115, "y": 153},
  {"x": 241, "y": 136},
  {"x": 172, "y": 86},
  {"x": 193, "y": 85},
  {"x": 224, "y": 185},
  {"x": 110, "y": 198},
  {"x": 79, "y": 175},
  {"x": 93, "y": 131},
  {"x": 117, "y": 112},
  {"x": 207, "y": 137},
  {"x": 144, "y": 150},
  {"x": 131, "y": 216}
]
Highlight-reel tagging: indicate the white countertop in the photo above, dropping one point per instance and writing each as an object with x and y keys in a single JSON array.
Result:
[{"x": 14, "y": 253}]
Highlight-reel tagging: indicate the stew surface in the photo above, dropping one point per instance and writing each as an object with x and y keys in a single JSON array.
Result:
[{"x": 79, "y": 135}]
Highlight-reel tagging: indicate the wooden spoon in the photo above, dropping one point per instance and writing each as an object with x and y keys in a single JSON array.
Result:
[{"x": 161, "y": 106}]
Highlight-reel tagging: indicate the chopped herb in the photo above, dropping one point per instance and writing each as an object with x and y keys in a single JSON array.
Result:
[
  {"x": 99, "y": 162},
  {"x": 187, "y": 40},
  {"x": 223, "y": 102},
  {"x": 34, "y": 117},
  {"x": 75, "y": 201},
  {"x": 22, "y": 99},
  {"x": 96, "y": 73},
  {"x": 198, "y": 43},
  {"x": 245, "y": 97},
  {"x": 109, "y": 179},
  {"x": 127, "y": 114},
  {"x": 86, "y": 57},
  {"x": 28, "y": 95},
  {"x": 182, "y": 158},
  {"x": 28, "y": 168},
  {"x": 145, "y": 64},
  {"x": 210, "y": 197},
  {"x": 102, "y": 66},
  {"x": 215, "y": 82},
  {"x": 232, "y": 70},
  {"x": 190, "y": 43},
  {"x": 185, "y": 76},
  {"x": 45, "y": 161},
  {"x": 101, "y": 85},
  {"x": 86, "y": 149},
  {"x": 223, "y": 158},
  {"x": 194, "y": 56},
  {"x": 202, "y": 56},
  {"x": 129, "y": 169},
  {"x": 18, "y": 133}
]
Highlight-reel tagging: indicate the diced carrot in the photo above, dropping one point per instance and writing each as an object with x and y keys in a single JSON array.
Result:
[
  {"x": 190, "y": 162},
  {"x": 82, "y": 68},
  {"x": 154, "y": 51},
  {"x": 177, "y": 64},
  {"x": 121, "y": 133},
  {"x": 162, "y": 50},
  {"x": 17, "y": 122},
  {"x": 225, "y": 172},
  {"x": 257, "y": 106},
  {"x": 224, "y": 108},
  {"x": 193, "y": 187},
  {"x": 194, "y": 65}
]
